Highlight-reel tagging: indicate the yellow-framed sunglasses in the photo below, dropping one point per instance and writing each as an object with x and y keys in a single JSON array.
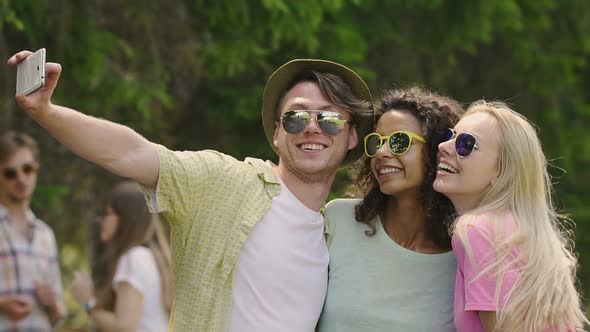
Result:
[{"x": 399, "y": 142}]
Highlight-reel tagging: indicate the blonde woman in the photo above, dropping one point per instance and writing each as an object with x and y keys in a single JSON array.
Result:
[
  {"x": 138, "y": 294},
  {"x": 516, "y": 271}
]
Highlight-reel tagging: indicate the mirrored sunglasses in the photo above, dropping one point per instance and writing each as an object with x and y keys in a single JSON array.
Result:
[
  {"x": 399, "y": 142},
  {"x": 465, "y": 143},
  {"x": 329, "y": 122},
  {"x": 11, "y": 173}
]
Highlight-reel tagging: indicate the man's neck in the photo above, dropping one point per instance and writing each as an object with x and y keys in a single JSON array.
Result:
[
  {"x": 311, "y": 194},
  {"x": 16, "y": 210}
]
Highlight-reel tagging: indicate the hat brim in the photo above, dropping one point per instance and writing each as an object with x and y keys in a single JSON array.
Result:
[{"x": 284, "y": 76}]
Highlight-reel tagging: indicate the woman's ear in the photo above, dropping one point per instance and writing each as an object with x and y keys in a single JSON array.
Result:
[
  {"x": 495, "y": 178},
  {"x": 352, "y": 138}
]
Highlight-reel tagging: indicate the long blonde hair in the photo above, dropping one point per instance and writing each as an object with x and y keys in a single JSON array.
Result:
[{"x": 544, "y": 294}]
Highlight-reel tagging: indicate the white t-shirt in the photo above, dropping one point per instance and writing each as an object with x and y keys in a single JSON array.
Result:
[
  {"x": 138, "y": 267},
  {"x": 281, "y": 275}
]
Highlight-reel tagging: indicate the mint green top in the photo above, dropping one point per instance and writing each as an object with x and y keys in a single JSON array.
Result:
[{"x": 377, "y": 285}]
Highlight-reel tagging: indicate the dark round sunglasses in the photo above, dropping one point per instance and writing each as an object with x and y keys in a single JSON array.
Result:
[
  {"x": 465, "y": 143},
  {"x": 11, "y": 173},
  {"x": 329, "y": 122},
  {"x": 399, "y": 142}
]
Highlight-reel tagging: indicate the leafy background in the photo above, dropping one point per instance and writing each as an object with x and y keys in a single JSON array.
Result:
[{"x": 190, "y": 74}]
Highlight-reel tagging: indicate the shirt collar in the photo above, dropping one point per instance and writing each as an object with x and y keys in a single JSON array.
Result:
[
  {"x": 5, "y": 217},
  {"x": 264, "y": 170}
]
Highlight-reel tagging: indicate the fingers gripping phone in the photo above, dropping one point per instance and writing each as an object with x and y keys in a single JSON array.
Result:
[{"x": 30, "y": 73}]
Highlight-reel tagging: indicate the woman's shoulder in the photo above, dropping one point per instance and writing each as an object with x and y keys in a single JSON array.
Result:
[
  {"x": 489, "y": 221},
  {"x": 137, "y": 253},
  {"x": 342, "y": 203},
  {"x": 486, "y": 228},
  {"x": 341, "y": 207},
  {"x": 340, "y": 215},
  {"x": 137, "y": 261}
]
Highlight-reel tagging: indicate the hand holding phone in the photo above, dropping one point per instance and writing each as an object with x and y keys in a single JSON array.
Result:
[
  {"x": 30, "y": 73},
  {"x": 43, "y": 81}
]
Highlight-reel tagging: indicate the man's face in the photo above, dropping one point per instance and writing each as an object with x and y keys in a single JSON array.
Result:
[
  {"x": 311, "y": 154},
  {"x": 18, "y": 176}
]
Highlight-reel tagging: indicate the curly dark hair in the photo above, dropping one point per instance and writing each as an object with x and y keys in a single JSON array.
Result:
[{"x": 436, "y": 113}]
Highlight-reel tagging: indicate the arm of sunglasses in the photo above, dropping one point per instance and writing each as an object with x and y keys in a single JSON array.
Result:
[{"x": 412, "y": 135}]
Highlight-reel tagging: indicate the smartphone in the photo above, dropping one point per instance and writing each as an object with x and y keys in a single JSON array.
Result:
[{"x": 30, "y": 73}]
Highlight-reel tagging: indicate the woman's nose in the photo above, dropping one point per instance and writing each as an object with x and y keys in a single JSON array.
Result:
[
  {"x": 447, "y": 147},
  {"x": 383, "y": 151}
]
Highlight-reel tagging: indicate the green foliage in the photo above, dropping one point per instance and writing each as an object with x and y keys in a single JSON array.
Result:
[
  {"x": 9, "y": 17},
  {"x": 190, "y": 74},
  {"x": 49, "y": 196}
]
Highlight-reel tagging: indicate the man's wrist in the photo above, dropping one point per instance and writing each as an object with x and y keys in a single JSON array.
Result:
[
  {"x": 55, "y": 315},
  {"x": 89, "y": 305},
  {"x": 3, "y": 302}
]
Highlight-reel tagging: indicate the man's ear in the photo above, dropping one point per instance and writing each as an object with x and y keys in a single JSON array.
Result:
[
  {"x": 275, "y": 140},
  {"x": 353, "y": 138}
]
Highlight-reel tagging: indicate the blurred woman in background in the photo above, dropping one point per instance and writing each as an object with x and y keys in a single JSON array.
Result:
[
  {"x": 137, "y": 295},
  {"x": 516, "y": 270}
]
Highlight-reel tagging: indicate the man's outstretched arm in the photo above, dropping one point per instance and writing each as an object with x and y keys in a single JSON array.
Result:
[{"x": 112, "y": 146}]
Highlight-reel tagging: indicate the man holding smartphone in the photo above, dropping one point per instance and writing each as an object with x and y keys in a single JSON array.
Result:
[
  {"x": 248, "y": 244},
  {"x": 30, "y": 282}
]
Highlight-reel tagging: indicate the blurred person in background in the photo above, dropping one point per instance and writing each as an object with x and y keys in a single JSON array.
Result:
[
  {"x": 138, "y": 293},
  {"x": 30, "y": 280},
  {"x": 391, "y": 265},
  {"x": 515, "y": 266}
]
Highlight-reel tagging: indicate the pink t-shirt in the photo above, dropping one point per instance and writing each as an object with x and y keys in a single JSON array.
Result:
[{"x": 473, "y": 292}]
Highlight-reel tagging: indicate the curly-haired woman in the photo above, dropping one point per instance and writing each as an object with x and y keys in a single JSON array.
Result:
[{"x": 391, "y": 268}]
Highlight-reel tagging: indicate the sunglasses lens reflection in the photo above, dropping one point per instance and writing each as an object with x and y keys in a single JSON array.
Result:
[
  {"x": 330, "y": 123},
  {"x": 465, "y": 144},
  {"x": 28, "y": 169},
  {"x": 447, "y": 135},
  {"x": 294, "y": 122},
  {"x": 372, "y": 144},
  {"x": 10, "y": 173},
  {"x": 399, "y": 143}
]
